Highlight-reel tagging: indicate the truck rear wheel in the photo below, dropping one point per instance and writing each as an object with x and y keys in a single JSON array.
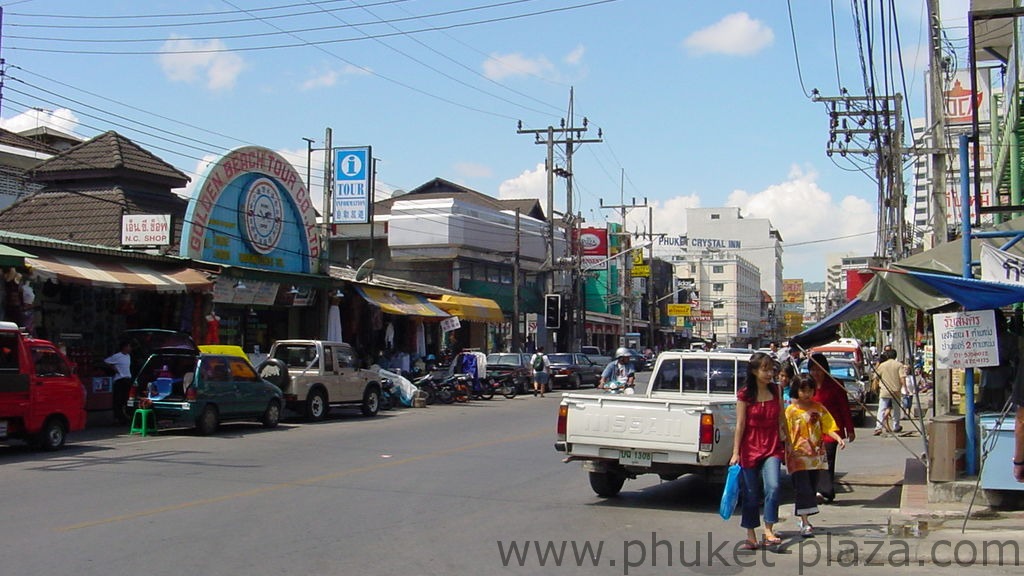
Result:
[
  {"x": 316, "y": 405},
  {"x": 371, "y": 401},
  {"x": 607, "y": 484},
  {"x": 52, "y": 435}
]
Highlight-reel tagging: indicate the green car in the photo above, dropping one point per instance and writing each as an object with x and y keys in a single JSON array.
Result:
[{"x": 203, "y": 390}]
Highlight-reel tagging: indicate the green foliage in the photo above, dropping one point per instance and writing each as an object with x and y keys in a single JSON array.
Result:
[{"x": 862, "y": 328}]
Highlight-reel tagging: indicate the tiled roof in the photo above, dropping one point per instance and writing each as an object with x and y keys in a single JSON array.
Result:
[
  {"x": 441, "y": 188},
  {"x": 105, "y": 156},
  {"x": 18, "y": 141},
  {"x": 89, "y": 216}
]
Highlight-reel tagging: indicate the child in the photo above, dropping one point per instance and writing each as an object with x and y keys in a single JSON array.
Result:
[
  {"x": 808, "y": 422},
  {"x": 787, "y": 379}
]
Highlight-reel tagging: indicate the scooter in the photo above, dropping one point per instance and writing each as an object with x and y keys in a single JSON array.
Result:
[
  {"x": 504, "y": 385},
  {"x": 619, "y": 387}
]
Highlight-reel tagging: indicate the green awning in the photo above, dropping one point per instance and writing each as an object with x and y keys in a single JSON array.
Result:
[{"x": 12, "y": 256}]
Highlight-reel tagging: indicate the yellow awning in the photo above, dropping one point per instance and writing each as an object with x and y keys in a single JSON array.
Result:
[
  {"x": 471, "y": 308},
  {"x": 400, "y": 303}
]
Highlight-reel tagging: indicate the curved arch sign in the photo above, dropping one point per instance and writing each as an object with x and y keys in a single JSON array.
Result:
[{"x": 253, "y": 209}]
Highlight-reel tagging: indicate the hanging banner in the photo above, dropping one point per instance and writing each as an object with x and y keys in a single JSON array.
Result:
[
  {"x": 1001, "y": 266},
  {"x": 965, "y": 339}
]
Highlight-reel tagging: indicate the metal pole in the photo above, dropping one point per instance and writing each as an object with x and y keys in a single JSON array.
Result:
[
  {"x": 328, "y": 218},
  {"x": 965, "y": 219},
  {"x": 516, "y": 344}
]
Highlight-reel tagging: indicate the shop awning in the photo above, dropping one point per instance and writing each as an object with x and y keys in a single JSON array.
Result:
[
  {"x": 400, "y": 303},
  {"x": 10, "y": 256},
  {"x": 93, "y": 271},
  {"x": 470, "y": 308}
]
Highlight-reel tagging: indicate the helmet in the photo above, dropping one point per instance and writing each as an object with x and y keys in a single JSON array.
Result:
[{"x": 623, "y": 353}]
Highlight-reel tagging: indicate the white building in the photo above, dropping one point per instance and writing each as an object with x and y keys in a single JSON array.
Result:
[{"x": 728, "y": 298}]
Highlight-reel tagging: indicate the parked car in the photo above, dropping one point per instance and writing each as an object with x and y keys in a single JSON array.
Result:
[
  {"x": 145, "y": 341},
  {"x": 203, "y": 390},
  {"x": 640, "y": 362},
  {"x": 573, "y": 369},
  {"x": 502, "y": 363},
  {"x": 590, "y": 351},
  {"x": 41, "y": 399},
  {"x": 315, "y": 375},
  {"x": 848, "y": 373}
]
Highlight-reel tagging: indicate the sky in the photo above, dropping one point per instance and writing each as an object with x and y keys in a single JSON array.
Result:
[{"x": 702, "y": 103}]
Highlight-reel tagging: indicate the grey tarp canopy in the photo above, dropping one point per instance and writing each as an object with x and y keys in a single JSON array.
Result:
[{"x": 911, "y": 289}]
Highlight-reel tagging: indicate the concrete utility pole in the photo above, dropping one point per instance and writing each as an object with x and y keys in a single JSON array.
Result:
[
  {"x": 570, "y": 136},
  {"x": 516, "y": 271},
  {"x": 626, "y": 307},
  {"x": 937, "y": 198},
  {"x": 328, "y": 216}
]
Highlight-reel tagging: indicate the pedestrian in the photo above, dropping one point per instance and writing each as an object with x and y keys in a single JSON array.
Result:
[
  {"x": 787, "y": 379},
  {"x": 888, "y": 381},
  {"x": 832, "y": 395},
  {"x": 996, "y": 381},
  {"x": 121, "y": 363},
  {"x": 808, "y": 423},
  {"x": 540, "y": 364},
  {"x": 759, "y": 448}
]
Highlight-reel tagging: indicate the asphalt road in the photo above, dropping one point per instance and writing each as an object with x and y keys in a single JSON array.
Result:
[{"x": 442, "y": 490}]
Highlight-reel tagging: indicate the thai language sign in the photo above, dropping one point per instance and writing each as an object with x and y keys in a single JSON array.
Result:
[{"x": 965, "y": 340}]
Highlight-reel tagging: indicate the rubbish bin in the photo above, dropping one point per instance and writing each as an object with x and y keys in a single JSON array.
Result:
[{"x": 947, "y": 445}]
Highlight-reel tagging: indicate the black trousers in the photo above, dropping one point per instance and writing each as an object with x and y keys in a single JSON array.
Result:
[
  {"x": 804, "y": 486},
  {"x": 827, "y": 478}
]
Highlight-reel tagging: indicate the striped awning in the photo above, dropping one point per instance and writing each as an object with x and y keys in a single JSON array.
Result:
[
  {"x": 400, "y": 303},
  {"x": 91, "y": 270}
]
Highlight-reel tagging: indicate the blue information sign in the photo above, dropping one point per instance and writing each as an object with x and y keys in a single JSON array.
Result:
[{"x": 352, "y": 186}]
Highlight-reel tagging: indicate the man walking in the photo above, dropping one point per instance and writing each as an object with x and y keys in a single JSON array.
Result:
[
  {"x": 888, "y": 380},
  {"x": 539, "y": 364}
]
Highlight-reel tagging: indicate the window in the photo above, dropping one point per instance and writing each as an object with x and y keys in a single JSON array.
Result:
[
  {"x": 215, "y": 369},
  {"x": 695, "y": 375},
  {"x": 667, "y": 377},
  {"x": 328, "y": 360},
  {"x": 241, "y": 371},
  {"x": 718, "y": 304},
  {"x": 717, "y": 287},
  {"x": 9, "y": 352},
  {"x": 344, "y": 357},
  {"x": 49, "y": 363},
  {"x": 717, "y": 269},
  {"x": 723, "y": 376},
  {"x": 716, "y": 216}
]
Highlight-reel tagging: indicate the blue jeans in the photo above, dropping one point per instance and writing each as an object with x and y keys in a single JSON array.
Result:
[{"x": 762, "y": 478}]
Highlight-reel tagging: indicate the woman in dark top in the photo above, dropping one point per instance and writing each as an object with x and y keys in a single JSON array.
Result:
[{"x": 759, "y": 448}]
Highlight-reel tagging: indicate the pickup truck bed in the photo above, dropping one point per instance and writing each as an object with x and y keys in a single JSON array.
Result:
[{"x": 671, "y": 431}]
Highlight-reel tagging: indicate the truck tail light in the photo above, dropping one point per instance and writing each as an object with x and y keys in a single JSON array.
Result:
[
  {"x": 707, "y": 432},
  {"x": 563, "y": 415},
  {"x": 190, "y": 394}
]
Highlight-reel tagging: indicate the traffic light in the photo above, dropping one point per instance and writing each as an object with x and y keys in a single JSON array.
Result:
[
  {"x": 885, "y": 320},
  {"x": 552, "y": 310}
]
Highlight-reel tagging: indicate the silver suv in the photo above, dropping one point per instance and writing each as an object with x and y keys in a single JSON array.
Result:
[{"x": 315, "y": 375}]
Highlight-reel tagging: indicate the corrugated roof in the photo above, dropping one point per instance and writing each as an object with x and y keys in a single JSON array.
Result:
[
  {"x": 441, "y": 188},
  {"x": 349, "y": 275},
  {"x": 89, "y": 215},
  {"x": 18, "y": 141},
  {"x": 105, "y": 156}
]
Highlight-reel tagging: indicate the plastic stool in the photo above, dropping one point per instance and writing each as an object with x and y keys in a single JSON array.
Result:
[{"x": 143, "y": 422}]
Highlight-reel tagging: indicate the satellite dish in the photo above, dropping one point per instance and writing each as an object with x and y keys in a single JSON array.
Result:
[{"x": 365, "y": 269}]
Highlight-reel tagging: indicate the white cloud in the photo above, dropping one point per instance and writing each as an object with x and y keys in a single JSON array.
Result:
[
  {"x": 576, "y": 56},
  {"x": 331, "y": 77},
  {"x": 812, "y": 223},
  {"x": 499, "y": 67},
  {"x": 197, "y": 175},
  {"x": 471, "y": 170},
  {"x": 529, "y": 184},
  {"x": 61, "y": 119},
  {"x": 735, "y": 35},
  {"x": 182, "y": 63}
]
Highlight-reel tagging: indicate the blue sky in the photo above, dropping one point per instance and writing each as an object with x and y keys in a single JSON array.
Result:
[{"x": 700, "y": 103}]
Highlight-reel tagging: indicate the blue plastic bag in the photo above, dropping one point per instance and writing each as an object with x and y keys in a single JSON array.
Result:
[{"x": 731, "y": 493}]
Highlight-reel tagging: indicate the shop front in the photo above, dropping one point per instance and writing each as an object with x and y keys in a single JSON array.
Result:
[
  {"x": 253, "y": 223},
  {"x": 393, "y": 328},
  {"x": 480, "y": 321}
]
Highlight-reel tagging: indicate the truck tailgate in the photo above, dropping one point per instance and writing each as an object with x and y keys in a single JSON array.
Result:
[{"x": 650, "y": 424}]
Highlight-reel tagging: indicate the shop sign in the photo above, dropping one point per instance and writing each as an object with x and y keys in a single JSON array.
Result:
[
  {"x": 641, "y": 271},
  {"x": 593, "y": 244},
  {"x": 679, "y": 310},
  {"x": 965, "y": 339},
  {"x": 450, "y": 323},
  {"x": 252, "y": 292},
  {"x": 145, "y": 229},
  {"x": 253, "y": 209}
]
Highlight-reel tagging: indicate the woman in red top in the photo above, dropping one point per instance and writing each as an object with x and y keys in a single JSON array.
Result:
[
  {"x": 759, "y": 447},
  {"x": 832, "y": 395}
]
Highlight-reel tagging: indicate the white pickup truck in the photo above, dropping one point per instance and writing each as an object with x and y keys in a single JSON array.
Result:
[{"x": 684, "y": 424}]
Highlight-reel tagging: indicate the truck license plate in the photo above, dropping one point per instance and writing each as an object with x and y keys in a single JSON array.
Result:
[{"x": 634, "y": 458}]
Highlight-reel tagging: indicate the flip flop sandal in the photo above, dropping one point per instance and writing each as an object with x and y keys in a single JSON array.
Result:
[
  {"x": 771, "y": 541},
  {"x": 749, "y": 545}
]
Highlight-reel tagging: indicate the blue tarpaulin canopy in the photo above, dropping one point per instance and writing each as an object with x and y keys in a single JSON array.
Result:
[{"x": 911, "y": 289}]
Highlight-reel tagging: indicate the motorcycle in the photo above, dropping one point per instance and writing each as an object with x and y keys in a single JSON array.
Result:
[
  {"x": 388, "y": 394},
  {"x": 455, "y": 388},
  {"x": 618, "y": 387},
  {"x": 504, "y": 385},
  {"x": 428, "y": 385}
]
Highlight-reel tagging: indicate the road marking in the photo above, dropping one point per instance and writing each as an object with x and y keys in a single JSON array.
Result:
[{"x": 296, "y": 483}]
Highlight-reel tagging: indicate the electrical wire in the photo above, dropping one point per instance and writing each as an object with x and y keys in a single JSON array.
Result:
[{"x": 796, "y": 53}]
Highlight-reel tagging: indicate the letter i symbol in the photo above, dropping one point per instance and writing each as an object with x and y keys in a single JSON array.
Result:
[{"x": 351, "y": 165}]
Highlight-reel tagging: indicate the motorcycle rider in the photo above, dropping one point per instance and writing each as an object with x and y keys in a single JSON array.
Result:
[{"x": 620, "y": 369}]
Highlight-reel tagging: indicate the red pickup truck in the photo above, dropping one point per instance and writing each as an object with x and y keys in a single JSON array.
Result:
[{"x": 41, "y": 399}]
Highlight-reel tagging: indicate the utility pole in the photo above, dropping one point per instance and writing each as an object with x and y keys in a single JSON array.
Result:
[
  {"x": 328, "y": 216},
  {"x": 937, "y": 198},
  {"x": 516, "y": 345},
  {"x": 570, "y": 136},
  {"x": 626, "y": 307}
]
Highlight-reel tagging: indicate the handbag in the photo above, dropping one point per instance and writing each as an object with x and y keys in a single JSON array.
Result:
[{"x": 731, "y": 493}]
